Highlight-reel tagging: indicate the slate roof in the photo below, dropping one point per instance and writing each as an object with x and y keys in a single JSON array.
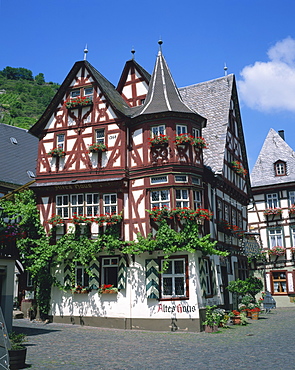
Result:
[
  {"x": 163, "y": 95},
  {"x": 17, "y": 159},
  {"x": 274, "y": 148},
  {"x": 211, "y": 99}
]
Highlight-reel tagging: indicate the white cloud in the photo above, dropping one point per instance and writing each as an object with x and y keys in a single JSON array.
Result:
[{"x": 270, "y": 86}]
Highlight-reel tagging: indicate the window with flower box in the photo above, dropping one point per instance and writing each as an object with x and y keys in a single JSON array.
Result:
[
  {"x": 160, "y": 198},
  {"x": 99, "y": 136},
  {"x": 181, "y": 198},
  {"x": 60, "y": 141},
  {"x": 275, "y": 238},
  {"x": 81, "y": 276},
  {"x": 196, "y": 132},
  {"x": 272, "y": 200},
  {"x": 174, "y": 279},
  {"x": 181, "y": 129},
  {"x": 110, "y": 205},
  {"x": 291, "y": 197},
  {"x": 158, "y": 130}
]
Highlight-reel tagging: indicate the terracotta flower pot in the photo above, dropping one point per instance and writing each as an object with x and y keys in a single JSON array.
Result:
[{"x": 236, "y": 320}]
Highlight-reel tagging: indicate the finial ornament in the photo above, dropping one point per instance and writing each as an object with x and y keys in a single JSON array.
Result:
[
  {"x": 160, "y": 42},
  {"x": 85, "y": 52},
  {"x": 132, "y": 52},
  {"x": 225, "y": 69}
]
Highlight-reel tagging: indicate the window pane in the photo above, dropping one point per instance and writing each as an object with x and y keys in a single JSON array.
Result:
[
  {"x": 179, "y": 286},
  {"x": 167, "y": 286},
  {"x": 179, "y": 267}
]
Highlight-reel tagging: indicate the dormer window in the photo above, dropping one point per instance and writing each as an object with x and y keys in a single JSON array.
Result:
[
  {"x": 280, "y": 168},
  {"x": 75, "y": 93}
]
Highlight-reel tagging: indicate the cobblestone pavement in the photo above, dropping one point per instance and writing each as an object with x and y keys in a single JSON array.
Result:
[{"x": 264, "y": 344}]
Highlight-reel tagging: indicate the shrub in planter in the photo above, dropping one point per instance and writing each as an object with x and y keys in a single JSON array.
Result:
[{"x": 17, "y": 353}]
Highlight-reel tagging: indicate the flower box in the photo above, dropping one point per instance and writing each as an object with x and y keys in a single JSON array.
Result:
[
  {"x": 291, "y": 210},
  {"x": 97, "y": 147},
  {"x": 56, "y": 152},
  {"x": 80, "y": 290},
  {"x": 272, "y": 212},
  {"x": 183, "y": 139},
  {"x": 107, "y": 289},
  {"x": 238, "y": 168},
  {"x": 277, "y": 251},
  {"x": 79, "y": 102},
  {"x": 199, "y": 143},
  {"x": 56, "y": 220},
  {"x": 159, "y": 140}
]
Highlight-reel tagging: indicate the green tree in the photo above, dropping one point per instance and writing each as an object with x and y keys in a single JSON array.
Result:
[
  {"x": 39, "y": 79},
  {"x": 252, "y": 286}
]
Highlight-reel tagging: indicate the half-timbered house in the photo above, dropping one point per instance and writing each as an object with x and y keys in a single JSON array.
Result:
[
  {"x": 271, "y": 215},
  {"x": 108, "y": 154}
]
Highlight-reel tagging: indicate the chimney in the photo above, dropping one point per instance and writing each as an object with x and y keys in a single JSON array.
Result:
[{"x": 282, "y": 134}]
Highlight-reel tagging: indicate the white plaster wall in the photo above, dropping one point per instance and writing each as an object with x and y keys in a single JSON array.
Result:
[
  {"x": 127, "y": 91},
  {"x": 130, "y": 302}
]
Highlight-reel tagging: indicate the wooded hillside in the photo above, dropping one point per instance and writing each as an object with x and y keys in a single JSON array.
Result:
[{"x": 23, "y": 98}]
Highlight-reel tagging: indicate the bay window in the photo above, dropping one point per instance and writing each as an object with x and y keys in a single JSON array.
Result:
[{"x": 160, "y": 198}]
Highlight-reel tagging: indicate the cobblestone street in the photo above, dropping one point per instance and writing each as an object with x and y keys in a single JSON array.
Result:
[{"x": 263, "y": 344}]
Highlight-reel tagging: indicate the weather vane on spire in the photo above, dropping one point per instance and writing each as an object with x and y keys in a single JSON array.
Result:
[
  {"x": 225, "y": 69},
  {"x": 160, "y": 42},
  {"x": 132, "y": 52},
  {"x": 85, "y": 52}
]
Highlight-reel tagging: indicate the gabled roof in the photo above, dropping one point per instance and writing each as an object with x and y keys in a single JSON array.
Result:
[
  {"x": 163, "y": 95},
  {"x": 108, "y": 89},
  {"x": 127, "y": 68},
  {"x": 211, "y": 99},
  {"x": 18, "y": 154},
  {"x": 274, "y": 148}
]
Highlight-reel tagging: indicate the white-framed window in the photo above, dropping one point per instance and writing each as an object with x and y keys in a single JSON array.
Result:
[
  {"x": 234, "y": 216},
  {"x": 196, "y": 132},
  {"x": 219, "y": 210},
  {"x": 291, "y": 197},
  {"x": 158, "y": 130},
  {"x": 293, "y": 236},
  {"x": 208, "y": 277},
  {"x": 240, "y": 220},
  {"x": 110, "y": 205},
  {"x": 173, "y": 279},
  {"x": 197, "y": 199},
  {"x": 275, "y": 238},
  {"x": 272, "y": 200},
  {"x": 181, "y": 198},
  {"x": 196, "y": 180},
  {"x": 109, "y": 269},
  {"x": 180, "y": 178},
  {"x": 99, "y": 136},
  {"x": 62, "y": 206},
  {"x": 92, "y": 204},
  {"x": 77, "y": 205},
  {"x": 88, "y": 91},
  {"x": 181, "y": 129},
  {"x": 226, "y": 212},
  {"x": 60, "y": 141},
  {"x": 280, "y": 168},
  {"x": 159, "y": 179},
  {"x": 160, "y": 198},
  {"x": 75, "y": 93},
  {"x": 81, "y": 276},
  {"x": 279, "y": 282}
]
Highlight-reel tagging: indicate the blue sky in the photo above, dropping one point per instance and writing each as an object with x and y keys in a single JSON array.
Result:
[{"x": 255, "y": 38}]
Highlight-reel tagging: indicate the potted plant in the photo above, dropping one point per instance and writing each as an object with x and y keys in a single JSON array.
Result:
[
  {"x": 272, "y": 211},
  {"x": 277, "y": 251},
  {"x": 79, "y": 289},
  {"x": 235, "y": 317},
  {"x": 56, "y": 152},
  {"x": 17, "y": 353},
  {"x": 238, "y": 168},
  {"x": 97, "y": 148},
  {"x": 183, "y": 139},
  {"x": 213, "y": 319}
]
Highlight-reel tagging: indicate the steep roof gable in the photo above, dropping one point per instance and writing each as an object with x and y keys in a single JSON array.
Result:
[
  {"x": 274, "y": 149},
  {"x": 163, "y": 95},
  {"x": 129, "y": 64},
  {"x": 108, "y": 89},
  {"x": 211, "y": 99}
]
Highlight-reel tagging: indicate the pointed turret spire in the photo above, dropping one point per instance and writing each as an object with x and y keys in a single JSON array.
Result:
[{"x": 163, "y": 94}]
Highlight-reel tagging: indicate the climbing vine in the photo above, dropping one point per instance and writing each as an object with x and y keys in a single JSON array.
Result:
[{"x": 39, "y": 255}]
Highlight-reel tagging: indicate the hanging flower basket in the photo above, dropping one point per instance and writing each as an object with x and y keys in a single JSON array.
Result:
[
  {"x": 56, "y": 152},
  {"x": 277, "y": 251},
  {"x": 55, "y": 220},
  {"x": 238, "y": 168},
  {"x": 272, "y": 211},
  {"x": 159, "y": 140},
  {"x": 200, "y": 143},
  {"x": 97, "y": 147},
  {"x": 78, "y": 102}
]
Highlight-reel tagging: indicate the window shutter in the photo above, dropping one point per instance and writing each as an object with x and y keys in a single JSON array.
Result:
[
  {"x": 213, "y": 278},
  {"x": 152, "y": 278},
  {"x": 202, "y": 277},
  {"x": 67, "y": 273},
  {"x": 94, "y": 278},
  {"x": 122, "y": 273}
]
